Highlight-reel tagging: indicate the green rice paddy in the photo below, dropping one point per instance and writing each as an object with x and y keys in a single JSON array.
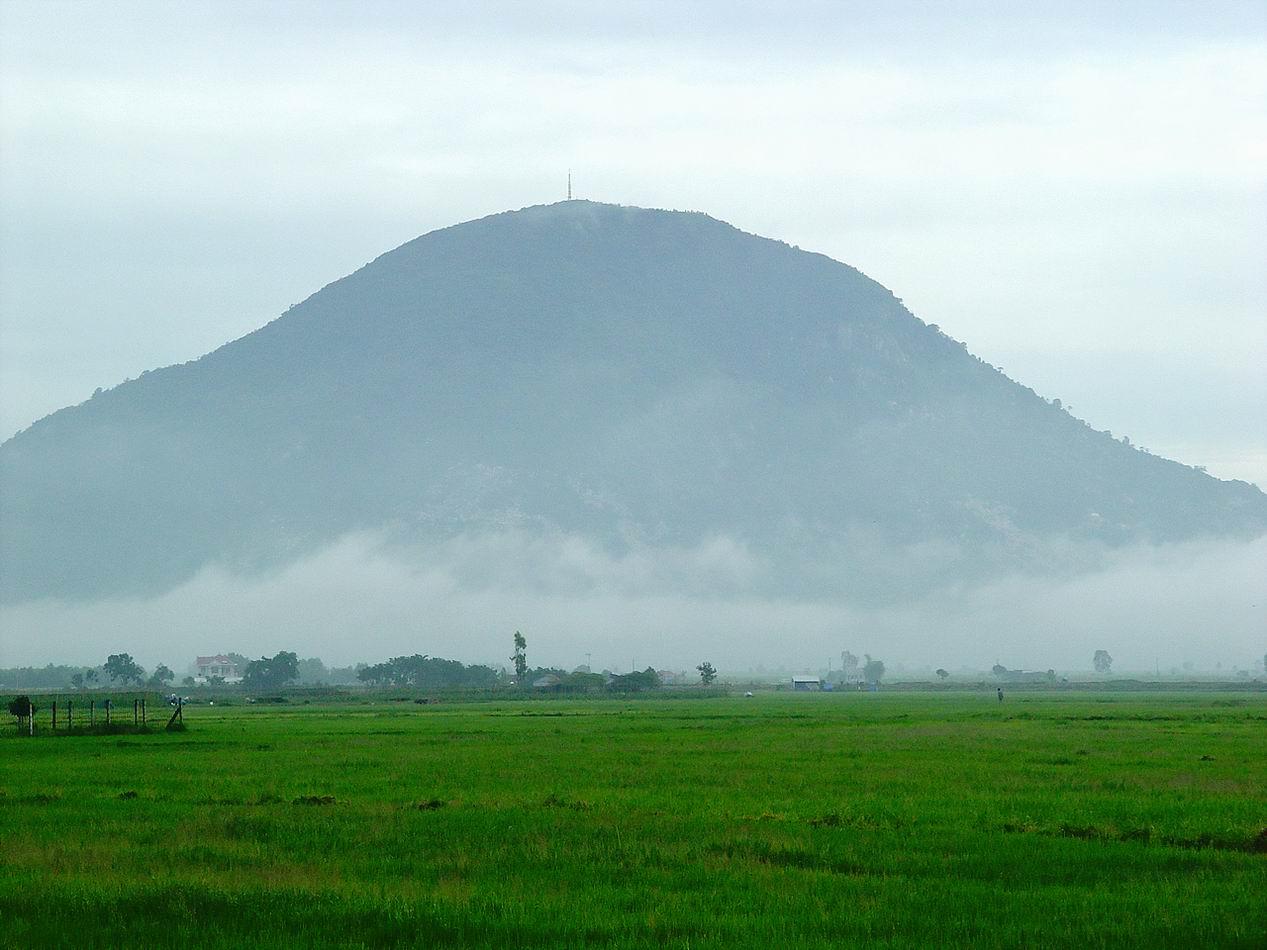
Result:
[{"x": 822, "y": 820}]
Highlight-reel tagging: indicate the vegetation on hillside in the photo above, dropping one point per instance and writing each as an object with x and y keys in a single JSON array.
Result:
[{"x": 599, "y": 371}]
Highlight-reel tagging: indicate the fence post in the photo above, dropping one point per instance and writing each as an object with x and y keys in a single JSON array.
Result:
[
  {"x": 92, "y": 712},
  {"x": 30, "y": 717},
  {"x": 70, "y": 715},
  {"x": 109, "y": 705},
  {"x": 54, "y": 715},
  {"x": 135, "y": 713},
  {"x": 142, "y": 710},
  {"x": 177, "y": 713}
]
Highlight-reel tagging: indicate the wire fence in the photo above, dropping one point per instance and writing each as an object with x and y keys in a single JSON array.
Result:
[{"x": 93, "y": 716}]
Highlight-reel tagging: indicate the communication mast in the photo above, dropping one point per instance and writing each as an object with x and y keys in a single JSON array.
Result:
[{"x": 569, "y": 184}]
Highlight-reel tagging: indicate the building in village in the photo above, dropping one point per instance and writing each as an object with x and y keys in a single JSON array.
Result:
[{"x": 211, "y": 667}]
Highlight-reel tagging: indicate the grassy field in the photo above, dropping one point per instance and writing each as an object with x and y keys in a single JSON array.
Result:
[{"x": 877, "y": 819}]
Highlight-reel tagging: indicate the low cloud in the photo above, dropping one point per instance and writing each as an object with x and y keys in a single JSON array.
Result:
[{"x": 361, "y": 599}]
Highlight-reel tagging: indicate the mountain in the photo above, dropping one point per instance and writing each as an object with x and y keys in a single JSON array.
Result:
[{"x": 631, "y": 376}]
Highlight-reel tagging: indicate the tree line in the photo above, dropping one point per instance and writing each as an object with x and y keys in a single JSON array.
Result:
[{"x": 428, "y": 672}]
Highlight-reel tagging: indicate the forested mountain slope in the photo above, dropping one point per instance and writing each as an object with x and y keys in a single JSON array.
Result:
[{"x": 628, "y": 375}]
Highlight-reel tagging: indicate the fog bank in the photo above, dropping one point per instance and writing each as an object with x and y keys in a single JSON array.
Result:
[{"x": 360, "y": 600}]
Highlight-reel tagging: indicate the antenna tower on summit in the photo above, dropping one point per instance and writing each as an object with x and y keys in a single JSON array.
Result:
[{"x": 569, "y": 184}]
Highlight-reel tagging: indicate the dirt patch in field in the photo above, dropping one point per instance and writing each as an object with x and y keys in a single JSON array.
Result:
[
  {"x": 787, "y": 857},
  {"x": 837, "y": 820},
  {"x": 39, "y": 798},
  {"x": 557, "y": 801},
  {"x": 1146, "y": 834},
  {"x": 313, "y": 800}
]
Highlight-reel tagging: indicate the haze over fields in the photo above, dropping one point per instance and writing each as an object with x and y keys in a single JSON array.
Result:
[{"x": 633, "y": 433}]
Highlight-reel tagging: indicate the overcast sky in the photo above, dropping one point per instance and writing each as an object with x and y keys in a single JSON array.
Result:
[{"x": 1079, "y": 196}]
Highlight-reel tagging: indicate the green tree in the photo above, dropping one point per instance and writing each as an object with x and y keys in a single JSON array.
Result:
[
  {"x": 238, "y": 660},
  {"x": 707, "y": 673},
  {"x": 427, "y": 672},
  {"x": 161, "y": 677},
  {"x": 1102, "y": 661},
  {"x": 635, "y": 682},
  {"x": 872, "y": 670},
  {"x": 376, "y": 674},
  {"x": 121, "y": 666},
  {"x": 520, "y": 658},
  {"x": 77, "y": 681},
  {"x": 943, "y": 674},
  {"x": 20, "y": 707},
  {"x": 312, "y": 670},
  {"x": 271, "y": 672}
]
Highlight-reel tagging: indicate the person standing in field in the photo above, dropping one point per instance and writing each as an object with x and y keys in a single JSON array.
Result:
[{"x": 1000, "y": 694}]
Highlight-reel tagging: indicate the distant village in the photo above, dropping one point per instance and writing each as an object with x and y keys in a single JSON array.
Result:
[{"x": 231, "y": 670}]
